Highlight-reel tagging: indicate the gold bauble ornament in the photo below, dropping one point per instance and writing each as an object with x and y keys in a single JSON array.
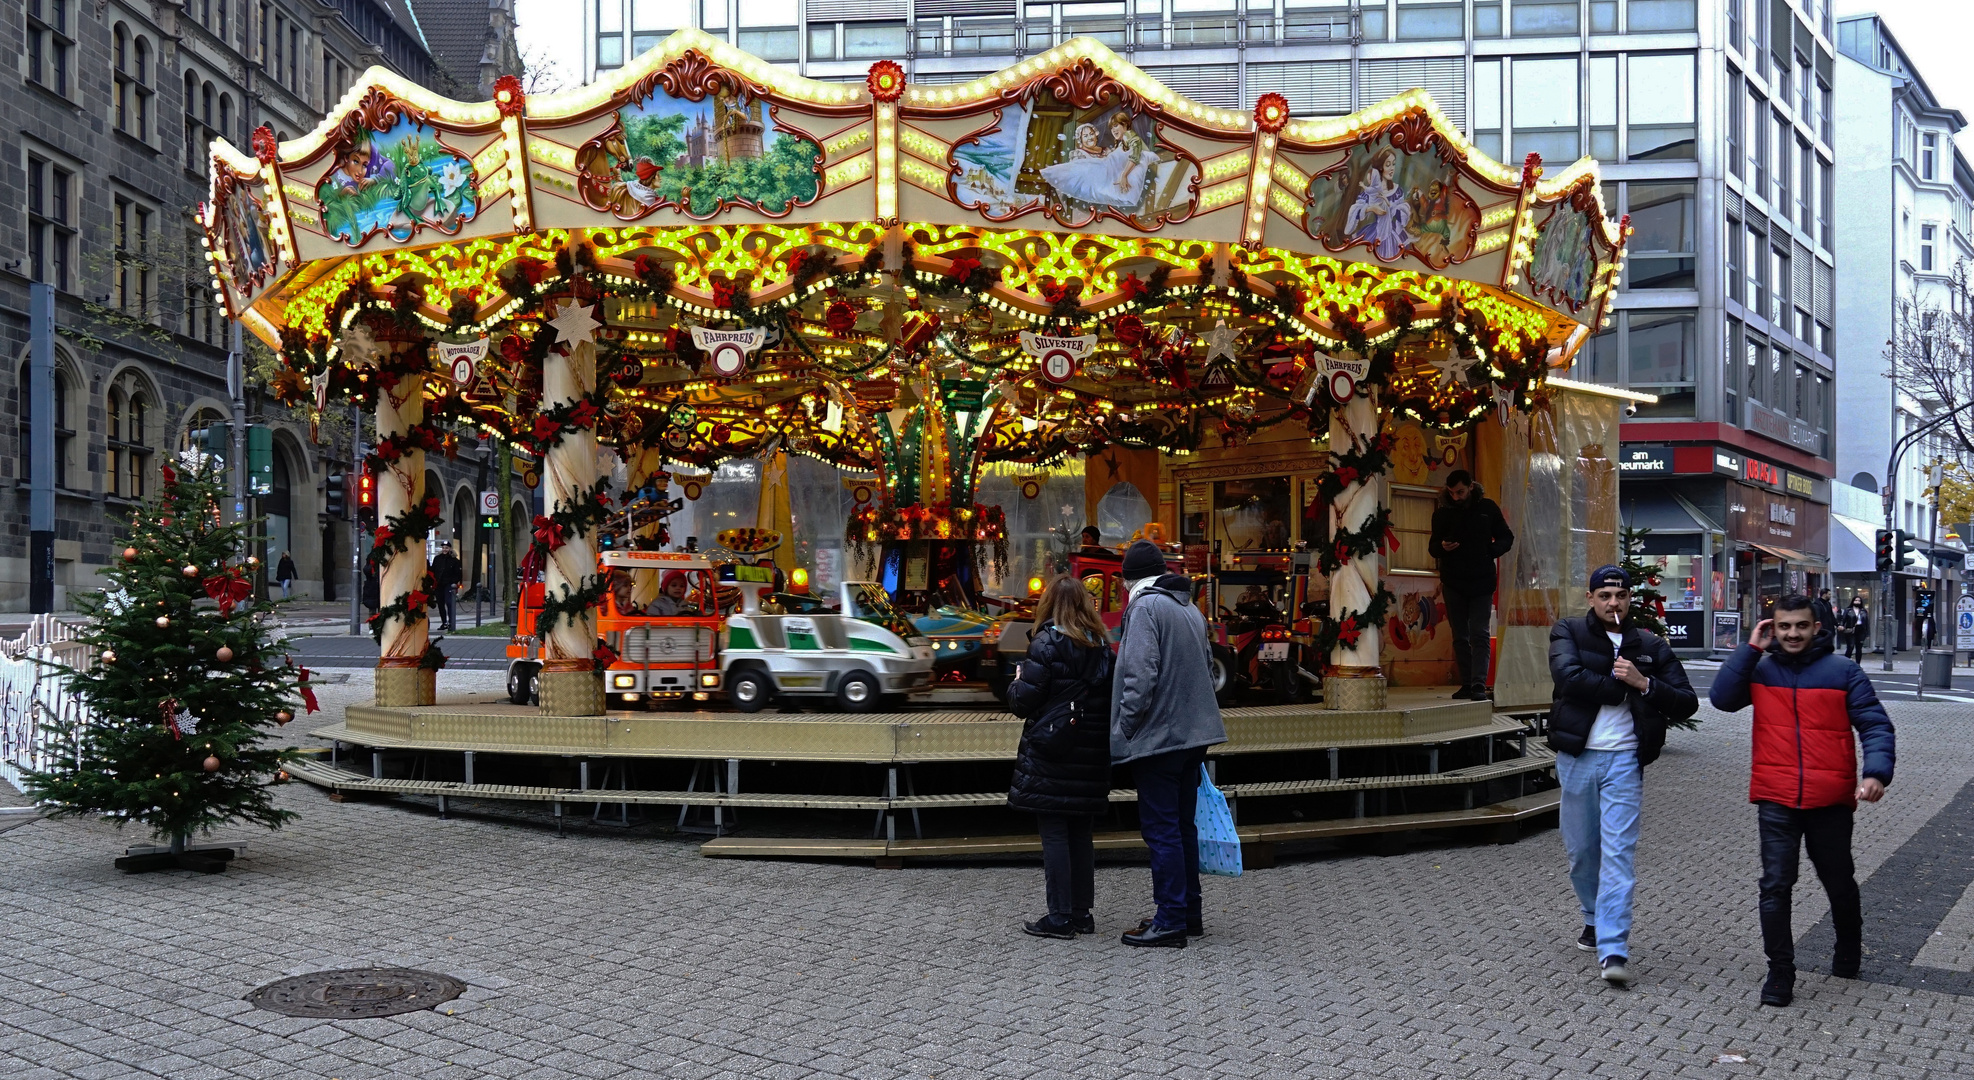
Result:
[
  {"x": 109, "y": 656},
  {"x": 224, "y": 655},
  {"x": 212, "y": 763},
  {"x": 164, "y": 621},
  {"x": 190, "y": 571},
  {"x": 283, "y": 716}
]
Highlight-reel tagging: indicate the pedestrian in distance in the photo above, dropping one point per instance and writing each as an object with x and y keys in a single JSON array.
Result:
[
  {"x": 1093, "y": 542},
  {"x": 1163, "y": 716},
  {"x": 1804, "y": 779},
  {"x": 1854, "y": 626},
  {"x": 1616, "y": 688},
  {"x": 1826, "y": 614},
  {"x": 446, "y": 573},
  {"x": 285, "y": 574},
  {"x": 1062, "y": 768},
  {"x": 1468, "y": 535}
]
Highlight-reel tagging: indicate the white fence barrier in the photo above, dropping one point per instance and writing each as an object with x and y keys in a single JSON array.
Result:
[{"x": 34, "y": 693}]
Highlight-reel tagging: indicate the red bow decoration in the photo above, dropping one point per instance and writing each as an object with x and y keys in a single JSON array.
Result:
[
  {"x": 548, "y": 532},
  {"x": 604, "y": 655},
  {"x": 308, "y": 695},
  {"x": 1343, "y": 551},
  {"x": 724, "y": 292},
  {"x": 170, "y": 477},
  {"x": 432, "y": 506},
  {"x": 1348, "y": 632},
  {"x": 1390, "y": 541},
  {"x": 229, "y": 589},
  {"x": 840, "y": 317},
  {"x": 1129, "y": 330},
  {"x": 532, "y": 270},
  {"x": 962, "y": 268},
  {"x": 169, "y": 708},
  {"x": 1130, "y": 287}
]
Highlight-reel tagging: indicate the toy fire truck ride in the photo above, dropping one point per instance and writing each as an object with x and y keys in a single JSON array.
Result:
[
  {"x": 667, "y": 648},
  {"x": 860, "y": 655}
]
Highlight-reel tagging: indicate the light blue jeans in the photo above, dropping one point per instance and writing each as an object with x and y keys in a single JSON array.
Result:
[{"x": 1602, "y": 792}]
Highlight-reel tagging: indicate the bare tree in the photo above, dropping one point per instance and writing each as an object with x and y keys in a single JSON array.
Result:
[
  {"x": 542, "y": 72},
  {"x": 1932, "y": 354}
]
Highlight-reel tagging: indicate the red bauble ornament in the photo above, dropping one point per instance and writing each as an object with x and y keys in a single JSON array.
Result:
[
  {"x": 840, "y": 317},
  {"x": 166, "y": 522},
  {"x": 224, "y": 655},
  {"x": 212, "y": 763},
  {"x": 130, "y": 554}
]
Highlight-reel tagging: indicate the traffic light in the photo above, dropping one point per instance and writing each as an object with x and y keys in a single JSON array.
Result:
[
  {"x": 366, "y": 500},
  {"x": 1884, "y": 551},
  {"x": 335, "y": 498},
  {"x": 1907, "y": 551}
]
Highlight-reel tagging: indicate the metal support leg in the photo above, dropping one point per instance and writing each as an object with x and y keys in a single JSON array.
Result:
[
  {"x": 912, "y": 789},
  {"x": 1490, "y": 749},
  {"x": 334, "y": 746},
  {"x": 891, "y": 795},
  {"x": 691, "y": 784},
  {"x": 1432, "y": 760},
  {"x": 442, "y": 807},
  {"x": 376, "y": 764},
  {"x": 582, "y": 775},
  {"x": 469, "y": 766},
  {"x": 1360, "y": 804},
  {"x": 1334, "y": 755},
  {"x": 558, "y": 817}
]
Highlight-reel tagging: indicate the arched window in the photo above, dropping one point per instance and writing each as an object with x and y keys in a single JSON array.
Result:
[
  {"x": 120, "y": 51},
  {"x": 64, "y": 429},
  {"x": 195, "y": 428},
  {"x": 113, "y": 429},
  {"x": 193, "y": 143},
  {"x": 125, "y": 407},
  {"x": 226, "y": 115}
]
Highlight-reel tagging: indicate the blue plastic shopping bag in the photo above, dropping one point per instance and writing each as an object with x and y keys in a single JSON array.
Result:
[{"x": 1219, "y": 844}]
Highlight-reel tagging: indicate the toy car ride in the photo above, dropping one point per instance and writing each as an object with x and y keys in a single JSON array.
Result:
[{"x": 859, "y": 656}]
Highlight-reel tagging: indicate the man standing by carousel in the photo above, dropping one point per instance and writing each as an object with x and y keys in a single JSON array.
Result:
[
  {"x": 1616, "y": 688},
  {"x": 1163, "y": 716},
  {"x": 1469, "y": 533}
]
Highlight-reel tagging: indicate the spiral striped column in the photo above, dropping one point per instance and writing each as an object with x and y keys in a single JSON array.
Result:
[
  {"x": 1355, "y": 680},
  {"x": 569, "y": 685},
  {"x": 400, "y": 487}
]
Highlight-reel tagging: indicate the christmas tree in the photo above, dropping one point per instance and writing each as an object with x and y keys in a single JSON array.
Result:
[
  {"x": 1648, "y": 604},
  {"x": 187, "y": 681}
]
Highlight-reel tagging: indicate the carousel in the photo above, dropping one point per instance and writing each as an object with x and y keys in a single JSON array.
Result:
[{"x": 1283, "y": 332}]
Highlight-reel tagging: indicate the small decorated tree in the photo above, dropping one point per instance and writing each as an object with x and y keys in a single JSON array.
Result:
[
  {"x": 1648, "y": 603},
  {"x": 187, "y": 681}
]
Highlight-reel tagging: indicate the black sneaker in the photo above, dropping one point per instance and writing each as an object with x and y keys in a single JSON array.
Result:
[
  {"x": 1156, "y": 937},
  {"x": 1052, "y": 926},
  {"x": 1615, "y": 972},
  {"x": 1085, "y": 923},
  {"x": 1194, "y": 928},
  {"x": 1844, "y": 963},
  {"x": 1587, "y": 941},
  {"x": 1780, "y": 987},
  {"x": 1483, "y": 692},
  {"x": 1465, "y": 693}
]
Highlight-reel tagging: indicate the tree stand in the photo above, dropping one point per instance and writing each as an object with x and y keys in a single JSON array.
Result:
[{"x": 204, "y": 858}]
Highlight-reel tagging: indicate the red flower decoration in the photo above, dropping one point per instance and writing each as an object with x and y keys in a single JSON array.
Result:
[
  {"x": 1054, "y": 291},
  {"x": 604, "y": 655},
  {"x": 545, "y": 429},
  {"x": 1271, "y": 113},
  {"x": 384, "y": 534},
  {"x": 886, "y": 81},
  {"x": 1348, "y": 632},
  {"x": 548, "y": 532},
  {"x": 414, "y": 601},
  {"x": 1129, "y": 329},
  {"x": 840, "y": 317},
  {"x": 1130, "y": 287},
  {"x": 509, "y": 98},
  {"x": 432, "y": 506},
  {"x": 583, "y": 414},
  {"x": 1347, "y": 475},
  {"x": 266, "y": 148},
  {"x": 532, "y": 270}
]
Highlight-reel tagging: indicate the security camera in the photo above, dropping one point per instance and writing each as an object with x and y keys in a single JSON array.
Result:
[{"x": 1631, "y": 408}]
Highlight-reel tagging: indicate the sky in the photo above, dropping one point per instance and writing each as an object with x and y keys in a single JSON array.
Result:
[{"x": 1934, "y": 34}]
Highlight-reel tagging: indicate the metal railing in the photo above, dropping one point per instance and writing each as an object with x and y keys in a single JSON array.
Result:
[{"x": 34, "y": 691}]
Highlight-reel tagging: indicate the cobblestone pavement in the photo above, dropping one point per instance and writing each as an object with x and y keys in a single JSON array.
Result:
[{"x": 607, "y": 955}]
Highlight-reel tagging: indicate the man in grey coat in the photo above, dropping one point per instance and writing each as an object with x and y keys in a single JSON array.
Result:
[{"x": 1163, "y": 716}]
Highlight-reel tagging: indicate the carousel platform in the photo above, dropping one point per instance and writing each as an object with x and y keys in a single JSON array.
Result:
[{"x": 1297, "y": 772}]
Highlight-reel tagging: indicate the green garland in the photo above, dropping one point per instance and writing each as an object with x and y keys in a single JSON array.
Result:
[
  {"x": 570, "y": 604},
  {"x": 1343, "y": 628},
  {"x": 399, "y": 531},
  {"x": 408, "y": 608}
]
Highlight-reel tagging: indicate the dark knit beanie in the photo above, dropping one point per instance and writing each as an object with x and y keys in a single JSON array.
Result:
[{"x": 1143, "y": 560}]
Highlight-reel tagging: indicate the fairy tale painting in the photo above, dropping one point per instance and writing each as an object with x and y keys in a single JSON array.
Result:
[
  {"x": 399, "y": 180},
  {"x": 246, "y": 246},
  {"x": 725, "y": 149},
  {"x": 1395, "y": 202},
  {"x": 1076, "y": 157},
  {"x": 1563, "y": 264}
]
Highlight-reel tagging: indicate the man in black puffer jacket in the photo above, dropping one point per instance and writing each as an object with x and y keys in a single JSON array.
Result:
[
  {"x": 1469, "y": 534},
  {"x": 1062, "y": 768},
  {"x": 1616, "y": 688}
]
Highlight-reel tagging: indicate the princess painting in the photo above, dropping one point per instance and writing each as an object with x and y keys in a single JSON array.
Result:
[{"x": 1380, "y": 215}]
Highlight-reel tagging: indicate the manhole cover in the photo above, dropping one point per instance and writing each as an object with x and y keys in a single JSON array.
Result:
[{"x": 357, "y": 993}]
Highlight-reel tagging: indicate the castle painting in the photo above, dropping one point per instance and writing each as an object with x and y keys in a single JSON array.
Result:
[
  {"x": 1395, "y": 203},
  {"x": 723, "y": 151}
]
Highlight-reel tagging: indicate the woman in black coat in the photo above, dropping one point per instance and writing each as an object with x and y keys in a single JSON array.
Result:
[{"x": 1062, "y": 769}]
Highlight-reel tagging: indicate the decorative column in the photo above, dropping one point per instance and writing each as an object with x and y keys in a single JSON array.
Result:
[
  {"x": 569, "y": 682},
  {"x": 403, "y": 623},
  {"x": 1358, "y": 520}
]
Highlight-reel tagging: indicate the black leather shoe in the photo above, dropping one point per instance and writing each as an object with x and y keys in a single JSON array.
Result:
[
  {"x": 1052, "y": 925},
  {"x": 1780, "y": 987},
  {"x": 1845, "y": 964},
  {"x": 1465, "y": 693},
  {"x": 1152, "y": 937},
  {"x": 1193, "y": 929},
  {"x": 1083, "y": 924}
]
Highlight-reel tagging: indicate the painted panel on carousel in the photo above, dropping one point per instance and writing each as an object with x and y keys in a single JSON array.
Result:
[
  {"x": 1395, "y": 202},
  {"x": 696, "y": 137},
  {"x": 395, "y": 177},
  {"x": 1076, "y": 151},
  {"x": 1563, "y": 262},
  {"x": 242, "y": 233}
]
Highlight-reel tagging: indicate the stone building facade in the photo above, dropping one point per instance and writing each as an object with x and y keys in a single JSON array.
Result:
[{"x": 104, "y": 121}]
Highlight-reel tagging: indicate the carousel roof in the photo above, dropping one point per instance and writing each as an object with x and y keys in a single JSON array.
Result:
[{"x": 1196, "y": 259}]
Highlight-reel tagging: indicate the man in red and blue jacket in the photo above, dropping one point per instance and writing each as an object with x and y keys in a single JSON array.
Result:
[{"x": 1805, "y": 780}]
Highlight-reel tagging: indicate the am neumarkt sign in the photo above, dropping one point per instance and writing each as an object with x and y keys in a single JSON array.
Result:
[{"x": 1645, "y": 461}]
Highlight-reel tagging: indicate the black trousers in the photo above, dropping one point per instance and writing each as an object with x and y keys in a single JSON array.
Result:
[
  {"x": 1466, "y": 616},
  {"x": 1069, "y": 862},
  {"x": 1854, "y": 645},
  {"x": 1826, "y": 832}
]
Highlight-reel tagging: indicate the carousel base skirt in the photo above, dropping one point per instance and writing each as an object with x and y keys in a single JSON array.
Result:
[
  {"x": 571, "y": 693},
  {"x": 406, "y": 687},
  {"x": 929, "y": 781},
  {"x": 1354, "y": 693}
]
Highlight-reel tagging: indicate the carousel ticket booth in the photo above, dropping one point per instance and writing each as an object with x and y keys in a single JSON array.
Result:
[{"x": 1284, "y": 331}]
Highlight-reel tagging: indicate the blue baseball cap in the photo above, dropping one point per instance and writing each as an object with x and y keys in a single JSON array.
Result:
[{"x": 1608, "y": 575}]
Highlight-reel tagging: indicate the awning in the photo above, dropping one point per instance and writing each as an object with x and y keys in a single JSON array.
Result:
[
  {"x": 1853, "y": 546},
  {"x": 1790, "y": 555},
  {"x": 1660, "y": 511}
]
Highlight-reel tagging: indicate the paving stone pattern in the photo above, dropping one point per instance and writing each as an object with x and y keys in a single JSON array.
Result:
[{"x": 629, "y": 955}]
